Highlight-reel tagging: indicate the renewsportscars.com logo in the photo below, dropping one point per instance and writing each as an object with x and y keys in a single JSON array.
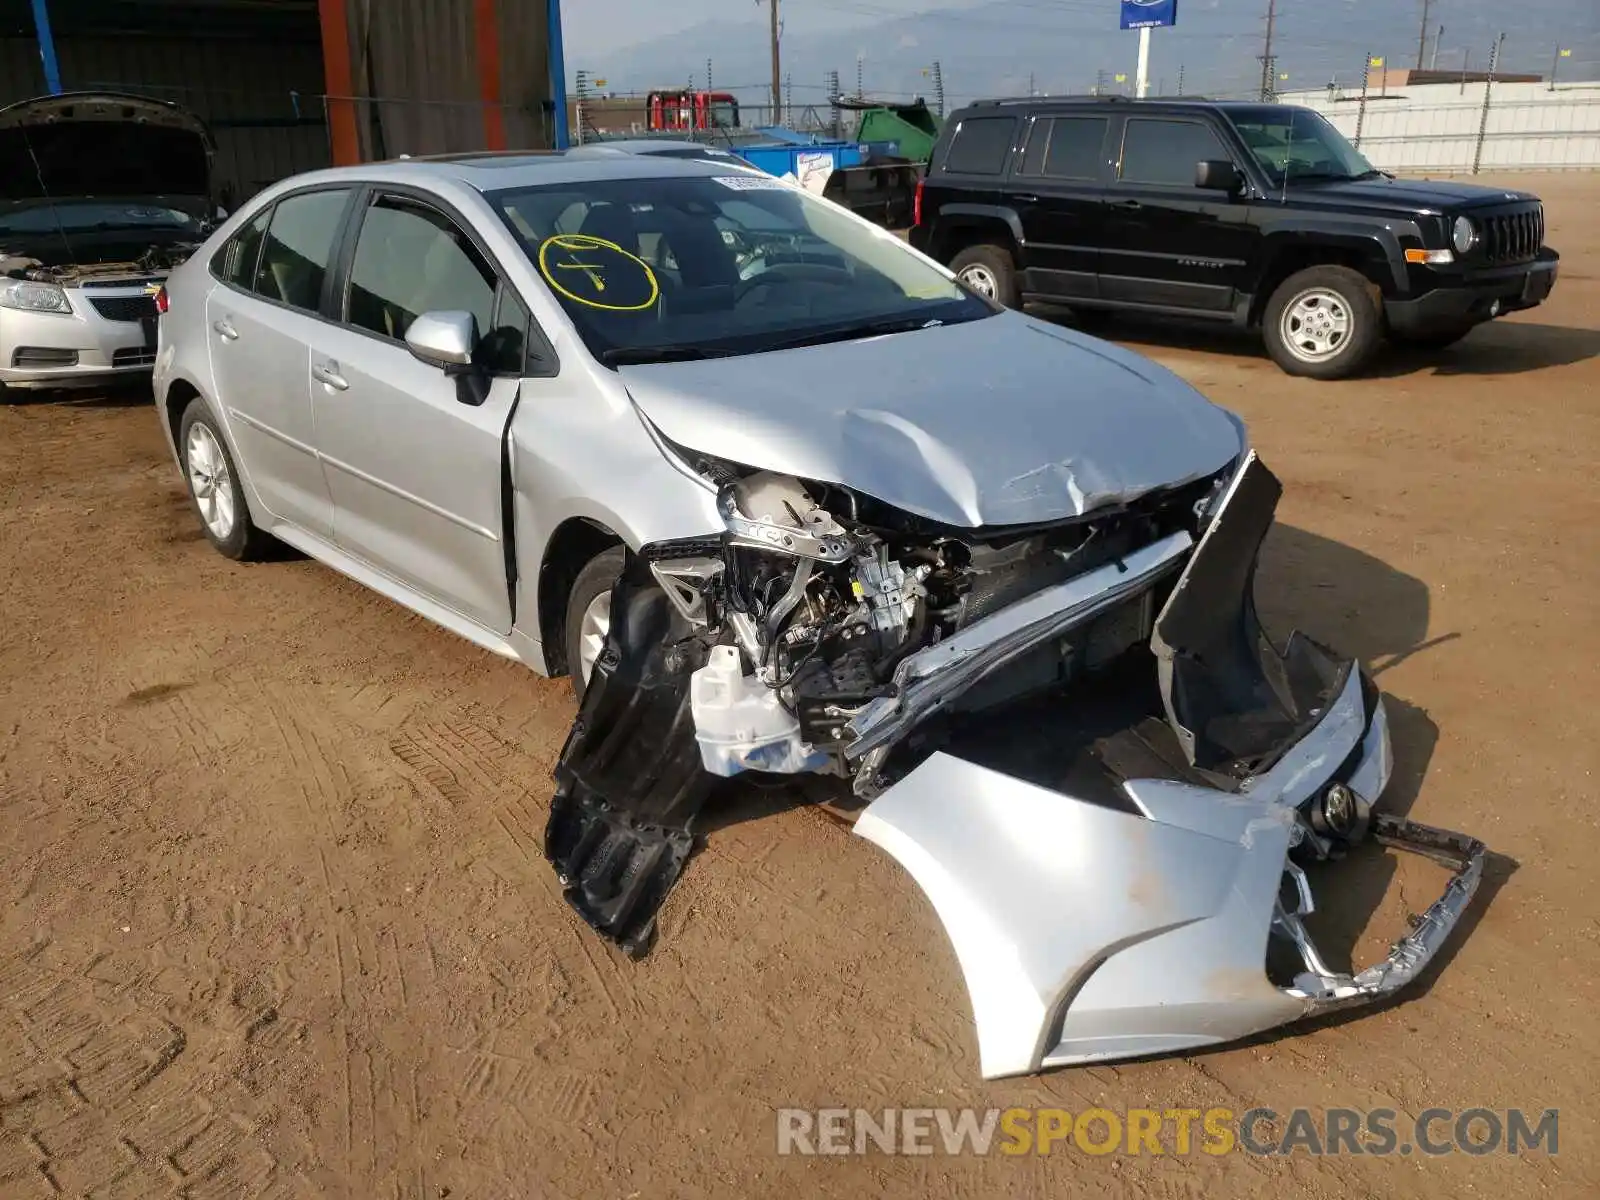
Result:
[{"x": 1379, "y": 1132}]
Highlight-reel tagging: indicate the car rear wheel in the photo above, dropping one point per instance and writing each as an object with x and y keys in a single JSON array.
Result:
[
  {"x": 214, "y": 487},
  {"x": 1323, "y": 323},
  {"x": 589, "y": 615},
  {"x": 989, "y": 271}
]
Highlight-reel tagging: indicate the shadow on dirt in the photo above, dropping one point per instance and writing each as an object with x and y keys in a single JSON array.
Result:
[
  {"x": 118, "y": 395},
  {"x": 1497, "y": 348}
]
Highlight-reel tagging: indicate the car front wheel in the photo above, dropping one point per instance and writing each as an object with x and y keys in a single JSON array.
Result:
[
  {"x": 589, "y": 615},
  {"x": 1323, "y": 323},
  {"x": 214, "y": 487},
  {"x": 989, "y": 271}
]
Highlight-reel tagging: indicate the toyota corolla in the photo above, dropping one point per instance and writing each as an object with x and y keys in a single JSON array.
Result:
[{"x": 783, "y": 497}]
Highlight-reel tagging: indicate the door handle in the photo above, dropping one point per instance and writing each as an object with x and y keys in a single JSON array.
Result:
[
  {"x": 1025, "y": 197},
  {"x": 328, "y": 373},
  {"x": 225, "y": 329},
  {"x": 1127, "y": 205}
]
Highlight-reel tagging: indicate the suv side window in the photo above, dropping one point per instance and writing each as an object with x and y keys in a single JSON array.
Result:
[
  {"x": 979, "y": 146},
  {"x": 410, "y": 259},
  {"x": 236, "y": 262},
  {"x": 1165, "y": 152},
  {"x": 1074, "y": 148},
  {"x": 298, "y": 245}
]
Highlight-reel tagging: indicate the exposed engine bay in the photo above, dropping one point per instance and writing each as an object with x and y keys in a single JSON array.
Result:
[{"x": 56, "y": 266}]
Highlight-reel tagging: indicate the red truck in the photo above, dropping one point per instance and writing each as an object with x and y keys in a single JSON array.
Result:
[{"x": 684, "y": 109}]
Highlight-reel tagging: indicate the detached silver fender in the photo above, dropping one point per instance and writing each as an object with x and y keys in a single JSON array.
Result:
[{"x": 1085, "y": 933}]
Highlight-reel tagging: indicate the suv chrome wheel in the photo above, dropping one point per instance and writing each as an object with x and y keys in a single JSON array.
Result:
[
  {"x": 1316, "y": 325},
  {"x": 592, "y": 631},
  {"x": 211, "y": 481},
  {"x": 981, "y": 279}
]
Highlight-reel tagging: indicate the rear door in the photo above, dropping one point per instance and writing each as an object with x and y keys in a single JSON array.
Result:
[
  {"x": 260, "y": 324},
  {"x": 1167, "y": 243},
  {"x": 1058, "y": 185},
  {"x": 412, "y": 455}
]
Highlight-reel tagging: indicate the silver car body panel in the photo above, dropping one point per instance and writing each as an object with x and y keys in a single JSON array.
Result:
[{"x": 907, "y": 419}]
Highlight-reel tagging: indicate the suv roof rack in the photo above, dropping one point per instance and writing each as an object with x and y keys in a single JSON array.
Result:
[{"x": 1080, "y": 96}]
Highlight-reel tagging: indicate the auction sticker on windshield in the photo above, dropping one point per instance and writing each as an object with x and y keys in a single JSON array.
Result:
[
  {"x": 598, "y": 274},
  {"x": 751, "y": 183}
]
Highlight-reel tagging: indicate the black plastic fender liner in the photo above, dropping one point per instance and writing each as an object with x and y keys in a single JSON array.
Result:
[
  {"x": 629, "y": 781},
  {"x": 1234, "y": 700}
]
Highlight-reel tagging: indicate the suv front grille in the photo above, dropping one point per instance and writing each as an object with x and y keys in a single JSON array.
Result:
[
  {"x": 124, "y": 308},
  {"x": 1513, "y": 237}
]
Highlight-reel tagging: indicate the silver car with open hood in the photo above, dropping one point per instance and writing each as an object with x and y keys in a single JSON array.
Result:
[
  {"x": 785, "y": 499},
  {"x": 100, "y": 196}
]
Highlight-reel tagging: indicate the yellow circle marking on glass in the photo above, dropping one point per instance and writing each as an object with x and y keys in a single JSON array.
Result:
[{"x": 575, "y": 243}]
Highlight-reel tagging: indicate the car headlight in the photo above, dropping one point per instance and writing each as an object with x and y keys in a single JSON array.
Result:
[
  {"x": 34, "y": 297},
  {"x": 1464, "y": 235}
]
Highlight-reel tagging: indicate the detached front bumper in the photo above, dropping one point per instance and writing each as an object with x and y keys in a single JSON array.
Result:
[
  {"x": 1087, "y": 934},
  {"x": 1475, "y": 296},
  {"x": 84, "y": 347}
]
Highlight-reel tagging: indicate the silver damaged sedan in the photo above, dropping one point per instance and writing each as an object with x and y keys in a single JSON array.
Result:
[{"x": 784, "y": 498}]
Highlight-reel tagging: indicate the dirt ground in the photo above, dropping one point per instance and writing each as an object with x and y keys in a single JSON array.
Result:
[{"x": 275, "y": 920}]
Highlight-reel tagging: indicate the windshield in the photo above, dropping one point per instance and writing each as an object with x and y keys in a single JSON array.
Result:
[
  {"x": 1298, "y": 143},
  {"x": 89, "y": 215},
  {"x": 700, "y": 266},
  {"x": 724, "y": 114}
]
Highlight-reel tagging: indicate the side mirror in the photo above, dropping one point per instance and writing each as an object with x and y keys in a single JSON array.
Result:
[
  {"x": 444, "y": 339},
  {"x": 1218, "y": 175}
]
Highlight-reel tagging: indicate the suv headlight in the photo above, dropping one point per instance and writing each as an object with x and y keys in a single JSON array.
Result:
[
  {"x": 1463, "y": 235},
  {"x": 34, "y": 297}
]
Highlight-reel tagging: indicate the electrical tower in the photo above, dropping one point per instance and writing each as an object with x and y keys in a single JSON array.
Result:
[
  {"x": 938, "y": 86},
  {"x": 1269, "y": 64}
]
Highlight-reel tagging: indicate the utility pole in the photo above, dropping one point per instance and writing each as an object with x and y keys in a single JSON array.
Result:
[
  {"x": 861, "y": 89},
  {"x": 788, "y": 100},
  {"x": 1433, "y": 59},
  {"x": 709, "y": 88},
  {"x": 1422, "y": 34},
  {"x": 777, "y": 70},
  {"x": 1361, "y": 109},
  {"x": 1180, "y": 79},
  {"x": 833, "y": 103},
  {"x": 1555, "y": 64},
  {"x": 1488, "y": 90},
  {"x": 938, "y": 85},
  {"x": 1269, "y": 70},
  {"x": 1030, "y": 83},
  {"x": 1099, "y": 81}
]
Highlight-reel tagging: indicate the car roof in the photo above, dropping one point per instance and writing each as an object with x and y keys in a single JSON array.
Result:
[
  {"x": 496, "y": 171},
  {"x": 1032, "y": 102}
]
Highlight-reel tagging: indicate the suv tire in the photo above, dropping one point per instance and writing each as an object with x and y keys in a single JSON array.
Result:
[
  {"x": 1323, "y": 323},
  {"x": 990, "y": 271}
]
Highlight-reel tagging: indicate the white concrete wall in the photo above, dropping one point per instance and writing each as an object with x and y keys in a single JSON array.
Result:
[{"x": 1434, "y": 128}]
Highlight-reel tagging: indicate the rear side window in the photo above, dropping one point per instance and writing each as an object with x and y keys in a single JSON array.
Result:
[
  {"x": 1075, "y": 148},
  {"x": 1165, "y": 152},
  {"x": 299, "y": 243},
  {"x": 236, "y": 262},
  {"x": 979, "y": 146}
]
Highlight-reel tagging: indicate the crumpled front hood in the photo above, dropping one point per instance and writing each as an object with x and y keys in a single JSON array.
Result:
[{"x": 1006, "y": 420}]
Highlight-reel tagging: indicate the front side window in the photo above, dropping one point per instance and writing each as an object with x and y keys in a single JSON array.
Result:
[
  {"x": 411, "y": 259},
  {"x": 705, "y": 266},
  {"x": 1165, "y": 152},
  {"x": 1298, "y": 143},
  {"x": 298, "y": 246},
  {"x": 979, "y": 146}
]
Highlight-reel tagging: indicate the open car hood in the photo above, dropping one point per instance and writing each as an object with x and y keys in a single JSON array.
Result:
[
  {"x": 1005, "y": 420},
  {"x": 102, "y": 144}
]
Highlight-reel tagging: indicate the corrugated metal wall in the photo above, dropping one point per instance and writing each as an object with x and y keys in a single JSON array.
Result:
[{"x": 245, "y": 91}]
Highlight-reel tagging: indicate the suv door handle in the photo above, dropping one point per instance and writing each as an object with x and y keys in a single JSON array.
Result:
[
  {"x": 1025, "y": 197},
  {"x": 225, "y": 329},
  {"x": 1128, "y": 205},
  {"x": 328, "y": 373}
]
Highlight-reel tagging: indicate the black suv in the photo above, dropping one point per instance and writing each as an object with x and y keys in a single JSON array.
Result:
[{"x": 1258, "y": 214}]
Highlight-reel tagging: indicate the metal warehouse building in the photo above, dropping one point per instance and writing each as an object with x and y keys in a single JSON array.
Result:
[{"x": 291, "y": 85}]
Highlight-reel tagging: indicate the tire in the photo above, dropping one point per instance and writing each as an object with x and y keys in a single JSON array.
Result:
[
  {"x": 593, "y": 583},
  {"x": 214, "y": 487},
  {"x": 990, "y": 271},
  {"x": 1323, "y": 323},
  {"x": 1434, "y": 339}
]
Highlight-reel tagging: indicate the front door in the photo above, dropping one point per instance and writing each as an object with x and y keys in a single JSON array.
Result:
[
  {"x": 1058, "y": 187},
  {"x": 1166, "y": 243},
  {"x": 413, "y": 456},
  {"x": 260, "y": 322}
]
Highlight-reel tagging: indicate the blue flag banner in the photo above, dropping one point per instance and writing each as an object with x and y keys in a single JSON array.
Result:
[{"x": 1149, "y": 14}]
